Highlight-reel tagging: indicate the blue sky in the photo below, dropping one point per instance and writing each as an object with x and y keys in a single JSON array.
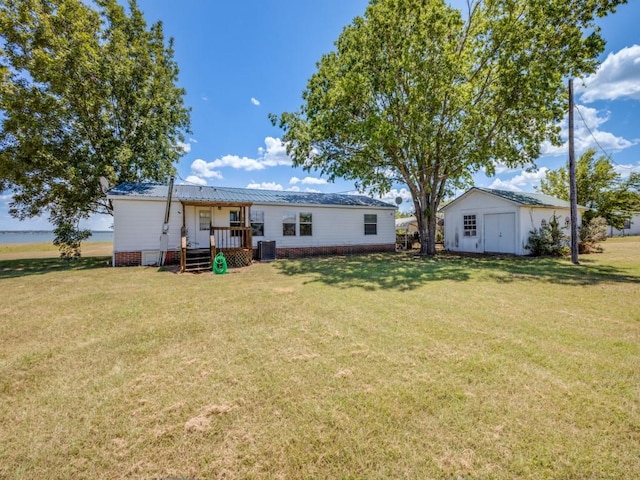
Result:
[{"x": 240, "y": 61}]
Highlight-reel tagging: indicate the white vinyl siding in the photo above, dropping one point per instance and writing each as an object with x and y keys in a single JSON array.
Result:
[
  {"x": 331, "y": 226},
  {"x": 137, "y": 224}
]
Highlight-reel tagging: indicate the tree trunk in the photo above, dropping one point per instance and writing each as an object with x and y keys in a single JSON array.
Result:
[
  {"x": 427, "y": 222},
  {"x": 427, "y": 227}
]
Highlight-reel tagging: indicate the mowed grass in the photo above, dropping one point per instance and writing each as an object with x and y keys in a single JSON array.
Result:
[{"x": 378, "y": 366}]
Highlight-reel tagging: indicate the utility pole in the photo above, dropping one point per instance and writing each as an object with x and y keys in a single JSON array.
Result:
[{"x": 573, "y": 194}]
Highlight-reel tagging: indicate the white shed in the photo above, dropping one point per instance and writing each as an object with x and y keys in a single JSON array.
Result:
[
  {"x": 631, "y": 227},
  {"x": 205, "y": 220},
  {"x": 499, "y": 221}
]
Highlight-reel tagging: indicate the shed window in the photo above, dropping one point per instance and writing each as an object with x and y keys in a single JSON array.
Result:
[
  {"x": 470, "y": 226},
  {"x": 370, "y": 224},
  {"x": 305, "y": 224},
  {"x": 234, "y": 221},
  {"x": 257, "y": 223},
  {"x": 289, "y": 224}
]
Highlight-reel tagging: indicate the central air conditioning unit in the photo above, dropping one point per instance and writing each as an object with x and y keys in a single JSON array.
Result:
[{"x": 266, "y": 251}]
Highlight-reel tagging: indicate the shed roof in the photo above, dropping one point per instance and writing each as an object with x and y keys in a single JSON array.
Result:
[
  {"x": 207, "y": 194},
  {"x": 520, "y": 198}
]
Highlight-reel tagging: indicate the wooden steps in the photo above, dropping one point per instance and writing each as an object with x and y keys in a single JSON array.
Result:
[{"x": 198, "y": 260}]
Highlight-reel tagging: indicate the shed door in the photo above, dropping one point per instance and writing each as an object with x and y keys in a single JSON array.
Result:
[{"x": 500, "y": 233}]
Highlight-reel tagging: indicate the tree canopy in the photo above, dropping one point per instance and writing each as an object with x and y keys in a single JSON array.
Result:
[
  {"x": 422, "y": 94},
  {"x": 88, "y": 99},
  {"x": 599, "y": 187}
]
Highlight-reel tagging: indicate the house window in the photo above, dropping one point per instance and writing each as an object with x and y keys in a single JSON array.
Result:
[
  {"x": 469, "y": 225},
  {"x": 567, "y": 222},
  {"x": 257, "y": 223},
  {"x": 205, "y": 219},
  {"x": 305, "y": 225},
  {"x": 627, "y": 224},
  {"x": 543, "y": 224},
  {"x": 370, "y": 224},
  {"x": 234, "y": 221},
  {"x": 289, "y": 224}
]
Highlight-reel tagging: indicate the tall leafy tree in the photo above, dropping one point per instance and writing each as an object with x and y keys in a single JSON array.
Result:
[
  {"x": 420, "y": 93},
  {"x": 88, "y": 99},
  {"x": 599, "y": 187}
]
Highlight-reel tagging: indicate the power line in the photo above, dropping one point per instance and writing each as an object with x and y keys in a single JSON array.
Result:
[{"x": 584, "y": 122}]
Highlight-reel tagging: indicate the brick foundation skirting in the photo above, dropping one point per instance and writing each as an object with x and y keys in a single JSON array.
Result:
[
  {"x": 299, "y": 252},
  {"x": 129, "y": 259},
  {"x": 126, "y": 259}
]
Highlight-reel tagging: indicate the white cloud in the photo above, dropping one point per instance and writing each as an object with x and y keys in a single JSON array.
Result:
[
  {"x": 625, "y": 169},
  {"x": 308, "y": 181},
  {"x": 312, "y": 190},
  {"x": 205, "y": 98},
  {"x": 403, "y": 193},
  {"x": 266, "y": 186},
  {"x": 185, "y": 147},
  {"x": 293, "y": 189},
  {"x": 202, "y": 169},
  {"x": 587, "y": 135},
  {"x": 617, "y": 77},
  {"x": 255, "y": 101},
  {"x": 6, "y": 197},
  {"x": 234, "y": 161},
  {"x": 193, "y": 140},
  {"x": 195, "y": 180},
  {"x": 275, "y": 154},
  {"x": 525, "y": 181}
]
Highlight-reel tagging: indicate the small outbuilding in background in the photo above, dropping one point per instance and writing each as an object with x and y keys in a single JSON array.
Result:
[{"x": 484, "y": 220}]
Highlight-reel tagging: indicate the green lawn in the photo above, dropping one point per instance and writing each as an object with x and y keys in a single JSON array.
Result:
[{"x": 378, "y": 366}]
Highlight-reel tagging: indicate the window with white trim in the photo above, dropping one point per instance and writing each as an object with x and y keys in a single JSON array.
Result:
[
  {"x": 289, "y": 224},
  {"x": 370, "y": 224},
  {"x": 257, "y": 223},
  {"x": 469, "y": 225},
  {"x": 306, "y": 228}
]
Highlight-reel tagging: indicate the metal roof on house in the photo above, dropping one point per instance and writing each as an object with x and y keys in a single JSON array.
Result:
[
  {"x": 205, "y": 194},
  {"x": 521, "y": 198}
]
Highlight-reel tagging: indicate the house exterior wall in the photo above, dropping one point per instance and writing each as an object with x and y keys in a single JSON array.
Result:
[
  {"x": 634, "y": 228},
  {"x": 334, "y": 229},
  {"x": 137, "y": 224},
  {"x": 479, "y": 204},
  {"x": 331, "y": 225},
  {"x": 532, "y": 217}
]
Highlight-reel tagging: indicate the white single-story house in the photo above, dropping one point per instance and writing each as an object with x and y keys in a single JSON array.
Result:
[
  {"x": 500, "y": 221},
  {"x": 158, "y": 224},
  {"x": 631, "y": 227}
]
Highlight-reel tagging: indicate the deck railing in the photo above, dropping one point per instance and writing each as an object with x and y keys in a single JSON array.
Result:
[{"x": 231, "y": 237}]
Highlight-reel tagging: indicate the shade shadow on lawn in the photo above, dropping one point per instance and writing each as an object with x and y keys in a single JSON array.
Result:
[
  {"x": 407, "y": 272},
  {"x": 39, "y": 266}
]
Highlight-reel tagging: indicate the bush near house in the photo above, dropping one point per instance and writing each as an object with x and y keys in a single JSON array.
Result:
[{"x": 549, "y": 240}]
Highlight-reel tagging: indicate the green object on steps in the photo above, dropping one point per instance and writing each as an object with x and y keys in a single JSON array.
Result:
[{"x": 219, "y": 264}]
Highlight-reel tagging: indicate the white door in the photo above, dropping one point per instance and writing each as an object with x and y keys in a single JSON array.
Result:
[
  {"x": 202, "y": 228},
  {"x": 500, "y": 233}
]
